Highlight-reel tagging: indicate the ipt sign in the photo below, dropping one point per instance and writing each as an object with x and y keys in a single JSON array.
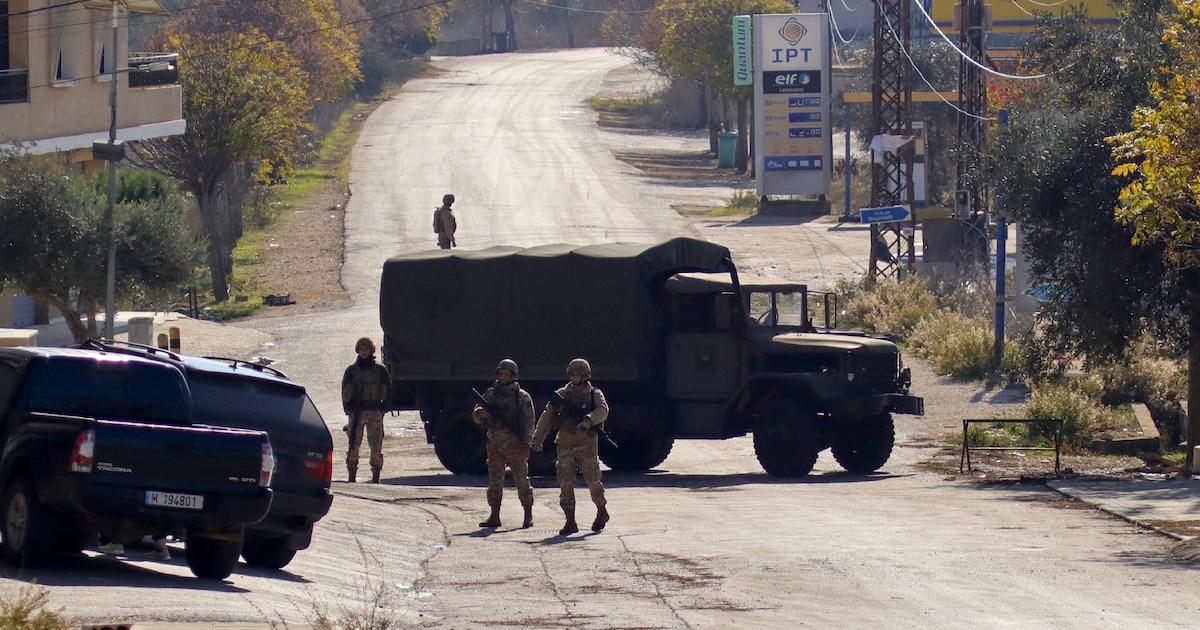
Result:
[{"x": 791, "y": 90}]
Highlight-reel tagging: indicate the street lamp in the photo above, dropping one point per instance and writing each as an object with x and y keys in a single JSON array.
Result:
[{"x": 113, "y": 152}]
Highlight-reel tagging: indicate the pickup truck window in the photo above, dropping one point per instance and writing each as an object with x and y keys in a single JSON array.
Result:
[
  {"x": 244, "y": 402},
  {"x": 138, "y": 393}
]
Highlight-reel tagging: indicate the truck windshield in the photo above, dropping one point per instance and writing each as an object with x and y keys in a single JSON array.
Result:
[{"x": 778, "y": 309}]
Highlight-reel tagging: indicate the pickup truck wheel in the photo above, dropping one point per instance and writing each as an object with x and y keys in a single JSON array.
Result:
[
  {"x": 211, "y": 558},
  {"x": 271, "y": 552},
  {"x": 787, "y": 439},
  {"x": 460, "y": 444},
  {"x": 635, "y": 454},
  {"x": 30, "y": 528},
  {"x": 866, "y": 446}
]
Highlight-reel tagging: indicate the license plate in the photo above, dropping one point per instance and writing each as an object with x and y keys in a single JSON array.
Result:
[{"x": 175, "y": 500}]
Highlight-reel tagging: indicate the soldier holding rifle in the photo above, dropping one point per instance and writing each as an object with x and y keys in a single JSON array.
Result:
[
  {"x": 506, "y": 411},
  {"x": 582, "y": 409},
  {"x": 366, "y": 388}
]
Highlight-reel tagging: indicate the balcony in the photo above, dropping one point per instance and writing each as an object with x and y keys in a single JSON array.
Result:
[
  {"x": 14, "y": 86},
  {"x": 153, "y": 77}
]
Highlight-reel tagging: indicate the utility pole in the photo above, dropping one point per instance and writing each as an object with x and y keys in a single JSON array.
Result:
[
  {"x": 114, "y": 155},
  {"x": 891, "y": 109}
]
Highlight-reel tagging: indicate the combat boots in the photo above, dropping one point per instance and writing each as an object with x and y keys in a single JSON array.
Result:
[
  {"x": 375, "y": 475},
  {"x": 570, "y": 527},
  {"x": 353, "y": 472},
  {"x": 494, "y": 519},
  {"x": 528, "y": 516},
  {"x": 601, "y": 519}
]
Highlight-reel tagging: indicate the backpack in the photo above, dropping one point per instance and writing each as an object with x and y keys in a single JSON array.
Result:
[{"x": 437, "y": 220}]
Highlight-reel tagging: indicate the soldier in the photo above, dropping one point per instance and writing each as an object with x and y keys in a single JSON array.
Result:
[
  {"x": 583, "y": 407},
  {"x": 445, "y": 224},
  {"x": 366, "y": 389},
  {"x": 506, "y": 411}
]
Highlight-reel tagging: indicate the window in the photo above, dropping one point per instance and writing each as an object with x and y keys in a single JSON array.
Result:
[
  {"x": 4, "y": 37},
  {"x": 64, "y": 44},
  {"x": 102, "y": 36}
]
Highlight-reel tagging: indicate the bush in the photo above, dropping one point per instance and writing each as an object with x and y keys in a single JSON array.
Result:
[
  {"x": 25, "y": 609},
  {"x": 959, "y": 347},
  {"x": 888, "y": 308},
  {"x": 1076, "y": 405}
]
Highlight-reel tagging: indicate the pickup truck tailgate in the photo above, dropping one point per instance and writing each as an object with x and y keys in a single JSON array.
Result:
[{"x": 177, "y": 458}]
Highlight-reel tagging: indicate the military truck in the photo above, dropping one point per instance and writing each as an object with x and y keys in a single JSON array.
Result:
[{"x": 683, "y": 346}]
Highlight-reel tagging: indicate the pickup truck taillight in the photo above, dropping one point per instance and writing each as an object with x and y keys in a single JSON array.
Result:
[
  {"x": 84, "y": 452},
  {"x": 320, "y": 469},
  {"x": 267, "y": 470}
]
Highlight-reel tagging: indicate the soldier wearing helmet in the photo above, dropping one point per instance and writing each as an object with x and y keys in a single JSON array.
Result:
[
  {"x": 444, "y": 223},
  {"x": 583, "y": 407},
  {"x": 506, "y": 411},
  {"x": 366, "y": 389}
]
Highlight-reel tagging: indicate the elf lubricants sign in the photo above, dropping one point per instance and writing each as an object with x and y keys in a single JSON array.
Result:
[{"x": 791, "y": 115}]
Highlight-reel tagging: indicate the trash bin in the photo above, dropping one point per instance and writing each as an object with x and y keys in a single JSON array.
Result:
[
  {"x": 501, "y": 40},
  {"x": 726, "y": 148}
]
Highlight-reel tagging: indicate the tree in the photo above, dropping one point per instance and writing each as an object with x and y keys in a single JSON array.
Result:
[
  {"x": 58, "y": 257},
  {"x": 697, "y": 42},
  {"x": 1053, "y": 165},
  {"x": 313, "y": 32},
  {"x": 244, "y": 99},
  {"x": 1160, "y": 165}
]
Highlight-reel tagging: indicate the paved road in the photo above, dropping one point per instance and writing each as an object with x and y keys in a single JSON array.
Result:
[{"x": 708, "y": 541}]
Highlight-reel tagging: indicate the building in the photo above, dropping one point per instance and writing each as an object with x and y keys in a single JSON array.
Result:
[{"x": 57, "y": 65}]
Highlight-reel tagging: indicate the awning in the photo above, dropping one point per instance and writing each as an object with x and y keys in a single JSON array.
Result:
[{"x": 133, "y": 6}]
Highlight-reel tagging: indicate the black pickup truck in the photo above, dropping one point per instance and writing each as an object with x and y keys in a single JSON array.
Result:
[
  {"x": 107, "y": 443},
  {"x": 233, "y": 393}
]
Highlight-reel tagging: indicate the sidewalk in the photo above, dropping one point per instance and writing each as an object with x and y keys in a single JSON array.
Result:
[{"x": 1168, "y": 506}]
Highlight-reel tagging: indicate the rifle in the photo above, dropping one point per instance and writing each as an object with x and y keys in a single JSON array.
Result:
[
  {"x": 577, "y": 414},
  {"x": 513, "y": 424}
]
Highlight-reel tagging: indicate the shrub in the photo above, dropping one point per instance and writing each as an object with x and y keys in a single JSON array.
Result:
[
  {"x": 959, "y": 347},
  {"x": 889, "y": 308},
  {"x": 1076, "y": 405},
  {"x": 25, "y": 609}
]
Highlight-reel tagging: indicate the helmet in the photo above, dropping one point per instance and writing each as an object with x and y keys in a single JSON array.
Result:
[
  {"x": 447, "y": 199},
  {"x": 364, "y": 341},
  {"x": 581, "y": 366},
  {"x": 508, "y": 364}
]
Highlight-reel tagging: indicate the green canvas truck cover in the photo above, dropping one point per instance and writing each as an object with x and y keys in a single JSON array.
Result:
[{"x": 455, "y": 313}]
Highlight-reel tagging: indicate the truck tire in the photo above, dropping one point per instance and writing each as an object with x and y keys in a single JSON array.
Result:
[
  {"x": 460, "y": 444},
  {"x": 787, "y": 439},
  {"x": 269, "y": 552},
  {"x": 866, "y": 446},
  {"x": 635, "y": 453},
  {"x": 30, "y": 528},
  {"x": 211, "y": 558}
]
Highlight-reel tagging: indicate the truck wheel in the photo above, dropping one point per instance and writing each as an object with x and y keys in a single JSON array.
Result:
[
  {"x": 30, "y": 528},
  {"x": 866, "y": 446},
  {"x": 787, "y": 439},
  {"x": 211, "y": 558},
  {"x": 271, "y": 552},
  {"x": 635, "y": 453},
  {"x": 459, "y": 443}
]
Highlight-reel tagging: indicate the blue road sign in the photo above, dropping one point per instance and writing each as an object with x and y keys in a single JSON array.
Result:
[{"x": 886, "y": 214}]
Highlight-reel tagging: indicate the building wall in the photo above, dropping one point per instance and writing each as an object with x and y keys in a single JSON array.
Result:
[{"x": 66, "y": 48}]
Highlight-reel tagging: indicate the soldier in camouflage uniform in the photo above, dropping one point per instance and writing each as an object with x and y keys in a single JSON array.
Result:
[
  {"x": 508, "y": 418},
  {"x": 366, "y": 388},
  {"x": 583, "y": 407}
]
